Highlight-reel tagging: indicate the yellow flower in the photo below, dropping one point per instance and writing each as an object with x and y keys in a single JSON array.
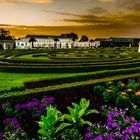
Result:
[
  {"x": 110, "y": 82},
  {"x": 129, "y": 90},
  {"x": 137, "y": 93},
  {"x": 123, "y": 93},
  {"x": 109, "y": 90},
  {"x": 122, "y": 84}
]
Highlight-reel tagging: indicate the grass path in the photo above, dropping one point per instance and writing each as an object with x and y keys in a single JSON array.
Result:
[{"x": 9, "y": 80}]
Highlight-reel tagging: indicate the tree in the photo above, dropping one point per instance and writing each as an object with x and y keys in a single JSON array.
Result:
[
  {"x": 55, "y": 42},
  {"x": 90, "y": 44},
  {"x": 72, "y": 35},
  {"x": 5, "y": 35},
  {"x": 84, "y": 38},
  {"x": 32, "y": 40}
]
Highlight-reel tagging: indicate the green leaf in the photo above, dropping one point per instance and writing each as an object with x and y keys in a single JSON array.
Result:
[
  {"x": 73, "y": 113},
  {"x": 68, "y": 117},
  {"x": 62, "y": 126},
  {"x": 76, "y": 106},
  {"x": 43, "y": 132},
  {"x": 82, "y": 122},
  {"x": 62, "y": 118},
  {"x": 81, "y": 113},
  {"x": 91, "y": 111},
  {"x": 41, "y": 124},
  {"x": 84, "y": 103}
]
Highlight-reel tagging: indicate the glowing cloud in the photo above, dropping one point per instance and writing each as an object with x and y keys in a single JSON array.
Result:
[
  {"x": 106, "y": 1},
  {"x": 26, "y": 1}
]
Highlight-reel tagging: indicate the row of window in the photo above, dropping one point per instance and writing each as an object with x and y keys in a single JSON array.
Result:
[{"x": 36, "y": 43}]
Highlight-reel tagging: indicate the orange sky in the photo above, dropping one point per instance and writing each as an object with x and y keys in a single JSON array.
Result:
[{"x": 95, "y": 18}]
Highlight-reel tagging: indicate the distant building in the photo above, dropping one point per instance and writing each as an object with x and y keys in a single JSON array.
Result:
[
  {"x": 101, "y": 42},
  {"x": 43, "y": 41},
  {"x": 22, "y": 43},
  {"x": 120, "y": 42},
  {"x": 7, "y": 44},
  {"x": 82, "y": 44}
]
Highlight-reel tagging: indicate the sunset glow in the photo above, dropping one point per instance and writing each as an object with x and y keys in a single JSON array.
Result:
[{"x": 95, "y": 18}]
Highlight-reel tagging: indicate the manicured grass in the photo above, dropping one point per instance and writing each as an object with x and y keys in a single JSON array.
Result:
[
  {"x": 30, "y": 56},
  {"x": 9, "y": 80}
]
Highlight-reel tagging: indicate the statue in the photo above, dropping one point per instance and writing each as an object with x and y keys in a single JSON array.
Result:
[{"x": 139, "y": 48}]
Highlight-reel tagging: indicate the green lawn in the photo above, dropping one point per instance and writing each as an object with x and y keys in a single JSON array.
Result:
[
  {"x": 9, "y": 80},
  {"x": 30, "y": 56}
]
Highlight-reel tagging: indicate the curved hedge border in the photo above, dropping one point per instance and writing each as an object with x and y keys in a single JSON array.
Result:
[
  {"x": 65, "y": 69},
  {"x": 83, "y": 77}
]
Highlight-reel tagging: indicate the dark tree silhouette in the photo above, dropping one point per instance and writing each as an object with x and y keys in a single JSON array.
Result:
[
  {"x": 84, "y": 38},
  {"x": 72, "y": 35},
  {"x": 5, "y": 35},
  {"x": 32, "y": 40},
  {"x": 55, "y": 42},
  {"x": 90, "y": 44}
]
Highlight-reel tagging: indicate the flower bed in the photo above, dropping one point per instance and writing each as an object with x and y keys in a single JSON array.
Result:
[{"x": 111, "y": 112}]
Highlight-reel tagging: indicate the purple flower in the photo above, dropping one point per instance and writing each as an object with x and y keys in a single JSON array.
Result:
[
  {"x": 112, "y": 134},
  {"x": 20, "y": 106},
  {"x": 100, "y": 137},
  {"x": 12, "y": 121},
  {"x": 48, "y": 99},
  {"x": 31, "y": 104},
  {"x": 118, "y": 134},
  {"x": 88, "y": 128},
  {"x": 40, "y": 112},
  {"x": 126, "y": 137},
  {"x": 109, "y": 117},
  {"x": 116, "y": 125},
  {"x": 129, "y": 130},
  {"x": 17, "y": 106},
  {"x": 117, "y": 114},
  {"x": 107, "y": 137},
  {"x": 127, "y": 120},
  {"x": 135, "y": 128},
  {"x": 36, "y": 100},
  {"x": 88, "y": 135}
]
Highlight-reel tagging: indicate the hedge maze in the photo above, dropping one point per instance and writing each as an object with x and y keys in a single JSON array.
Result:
[{"x": 92, "y": 66}]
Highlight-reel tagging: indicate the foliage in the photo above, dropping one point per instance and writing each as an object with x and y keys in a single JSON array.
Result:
[
  {"x": 48, "y": 122},
  {"x": 70, "y": 134},
  {"x": 19, "y": 134},
  {"x": 75, "y": 118}
]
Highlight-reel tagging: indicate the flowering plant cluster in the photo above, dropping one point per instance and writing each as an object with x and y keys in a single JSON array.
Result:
[
  {"x": 120, "y": 94},
  {"x": 117, "y": 126},
  {"x": 24, "y": 115}
]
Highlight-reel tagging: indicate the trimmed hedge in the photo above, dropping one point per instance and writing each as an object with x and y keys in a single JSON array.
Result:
[
  {"x": 66, "y": 69},
  {"x": 83, "y": 77}
]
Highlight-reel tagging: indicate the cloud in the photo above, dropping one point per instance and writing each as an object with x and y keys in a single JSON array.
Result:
[
  {"x": 106, "y": 1},
  {"x": 25, "y": 1},
  {"x": 110, "y": 21},
  {"x": 97, "y": 11},
  {"x": 61, "y": 13}
]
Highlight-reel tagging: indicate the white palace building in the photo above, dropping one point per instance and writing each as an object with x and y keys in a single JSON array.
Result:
[{"x": 43, "y": 41}]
